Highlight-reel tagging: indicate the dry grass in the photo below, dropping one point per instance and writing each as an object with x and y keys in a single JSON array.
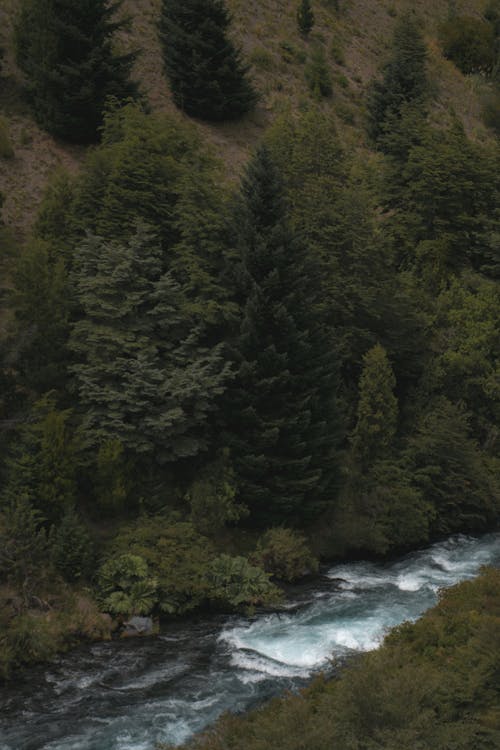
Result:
[{"x": 356, "y": 42}]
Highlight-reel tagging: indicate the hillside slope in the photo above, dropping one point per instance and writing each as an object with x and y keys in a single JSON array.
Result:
[{"x": 355, "y": 39}]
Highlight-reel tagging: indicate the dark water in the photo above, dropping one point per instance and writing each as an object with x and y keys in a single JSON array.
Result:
[{"x": 128, "y": 695}]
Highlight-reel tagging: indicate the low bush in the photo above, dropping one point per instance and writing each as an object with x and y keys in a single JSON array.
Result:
[
  {"x": 234, "y": 582},
  {"x": 284, "y": 554},
  {"x": 469, "y": 43}
]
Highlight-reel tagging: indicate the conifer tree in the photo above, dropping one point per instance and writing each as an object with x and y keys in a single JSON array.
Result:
[
  {"x": 205, "y": 69},
  {"x": 143, "y": 377},
  {"x": 282, "y": 421},
  {"x": 377, "y": 408},
  {"x": 404, "y": 80},
  {"x": 64, "y": 47},
  {"x": 305, "y": 17}
]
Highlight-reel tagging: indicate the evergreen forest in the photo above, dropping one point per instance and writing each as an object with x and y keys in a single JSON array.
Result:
[{"x": 249, "y": 323}]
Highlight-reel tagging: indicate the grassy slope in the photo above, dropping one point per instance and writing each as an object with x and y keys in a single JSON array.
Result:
[{"x": 360, "y": 33}]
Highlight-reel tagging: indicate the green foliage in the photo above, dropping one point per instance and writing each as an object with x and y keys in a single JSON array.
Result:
[
  {"x": 284, "y": 554},
  {"x": 404, "y": 79},
  {"x": 212, "y": 499},
  {"x": 305, "y": 17},
  {"x": 451, "y": 472},
  {"x": 469, "y": 42},
  {"x": 6, "y": 150},
  {"x": 205, "y": 70},
  {"x": 380, "y": 511},
  {"x": 448, "y": 203},
  {"x": 42, "y": 303},
  {"x": 111, "y": 477},
  {"x": 44, "y": 462},
  {"x": 154, "y": 170},
  {"x": 24, "y": 640},
  {"x": 234, "y": 582},
  {"x": 178, "y": 557},
  {"x": 491, "y": 110},
  {"x": 377, "y": 414},
  {"x": 23, "y": 546},
  {"x": 280, "y": 412},
  {"x": 71, "y": 548},
  {"x": 126, "y": 587},
  {"x": 143, "y": 376},
  {"x": 318, "y": 75},
  {"x": 65, "y": 49},
  {"x": 467, "y": 362}
]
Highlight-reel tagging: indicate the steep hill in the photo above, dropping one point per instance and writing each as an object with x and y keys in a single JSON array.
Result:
[{"x": 355, "y": 38}]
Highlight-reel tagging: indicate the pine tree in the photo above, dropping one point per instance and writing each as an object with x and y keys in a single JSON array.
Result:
[
  {"x": 282, "y": 422},
  {"x": 64, "y": 47},
  {"x": 404, "y": 80},
  {"x": 305, "y": 17},
  {"x": 206, "y": 73},
  {"x": 377, "y": 408},
  {"x": 143, "y": 377}
]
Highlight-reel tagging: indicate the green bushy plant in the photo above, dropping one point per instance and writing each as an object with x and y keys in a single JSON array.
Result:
[
  {"x": 469, "y": 42},
  {"x": 284, "y": 554},
  {"x": 235, "y": 582},
  {"x": 126, "y": 587},
  {"x": 176, "y": 554}
]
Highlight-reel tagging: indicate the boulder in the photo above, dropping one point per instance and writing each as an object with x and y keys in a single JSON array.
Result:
[{"x": 137, "y": 626}]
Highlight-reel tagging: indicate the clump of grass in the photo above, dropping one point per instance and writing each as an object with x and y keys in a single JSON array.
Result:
[
  {"x": 337, "y": 53},
  {"x": 291, "y": 54},
  {"x": 262, "y": 59}
]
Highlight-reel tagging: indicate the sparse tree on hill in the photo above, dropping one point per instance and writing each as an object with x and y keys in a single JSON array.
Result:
[
  {"x": 305, "y": 17},
  {"x": 205, "y": 69},
  {"x": 64, "y": 47}
]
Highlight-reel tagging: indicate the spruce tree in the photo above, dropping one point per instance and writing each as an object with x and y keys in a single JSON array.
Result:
[
  {"x": 64, "y": 47},
  {"x": 205, "y": 69},
  {"x": 281, "y": 417},
  {"x": 305, "y": 17},
  {"x": 404, "y": 80}
]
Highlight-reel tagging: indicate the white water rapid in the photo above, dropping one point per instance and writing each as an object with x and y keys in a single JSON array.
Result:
[{"x": 129, "y": 695}]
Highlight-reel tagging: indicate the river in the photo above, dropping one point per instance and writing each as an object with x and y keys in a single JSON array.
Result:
[{"x": 128, "y": 695}]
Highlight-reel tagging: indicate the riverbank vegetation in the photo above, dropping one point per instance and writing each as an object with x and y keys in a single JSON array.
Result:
[
  {"x": 230, "y": 350},
  {"x": 433, "y": 684}
]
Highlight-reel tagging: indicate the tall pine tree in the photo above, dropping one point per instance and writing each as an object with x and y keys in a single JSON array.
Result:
[
  {"x": 282, "y": 422},
  {"x": 64, "y": 47},
  {"x": 205, "y": 69},
  {"x": 404, "y": 80}
]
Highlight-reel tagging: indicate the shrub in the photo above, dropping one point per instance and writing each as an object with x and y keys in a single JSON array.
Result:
[
  {"x": 469, "y": 43},
  {"x": 126, "y": 587},
  {"x": 318, "y": 74},
  {"x": 235, "y": 582},
  {"x": 176, "y": 554},
  {"x": 212, "y": 499},
  {"x": 6, "y": 150},
  {"x": 284, "y": 554},
  {"x": 72, "y": 552},
  {"x": 491, "y": 111}
]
